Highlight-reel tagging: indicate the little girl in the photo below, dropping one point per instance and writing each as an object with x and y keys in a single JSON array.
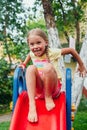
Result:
[{"x": 42, "y": 78}]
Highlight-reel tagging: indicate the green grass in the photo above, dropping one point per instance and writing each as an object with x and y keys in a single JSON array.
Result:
[
  {"x": 80, "y": 122},
  {"x": 4, "y": 109},
  {"x": 4, "y": 125}
]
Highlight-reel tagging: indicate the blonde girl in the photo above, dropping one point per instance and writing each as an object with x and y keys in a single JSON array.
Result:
[{"x": 43, "y": 77}]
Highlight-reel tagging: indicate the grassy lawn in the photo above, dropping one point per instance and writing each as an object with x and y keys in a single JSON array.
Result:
[
  {"x": 4, "y": 109},
  {"x": 80, "y": 122},
  {"x": 4, "y": 125}
]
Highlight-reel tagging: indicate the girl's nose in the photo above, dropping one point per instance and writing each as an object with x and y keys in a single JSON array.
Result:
[{"x": 35, "y": 46}]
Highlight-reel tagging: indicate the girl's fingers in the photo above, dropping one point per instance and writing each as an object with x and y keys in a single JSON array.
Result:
[{"x": 82, "y": 74}]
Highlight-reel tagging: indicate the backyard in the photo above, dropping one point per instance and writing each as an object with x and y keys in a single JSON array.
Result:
[
  {"x": 64, "y": 22},
  {"x": 80, "y": 122}
]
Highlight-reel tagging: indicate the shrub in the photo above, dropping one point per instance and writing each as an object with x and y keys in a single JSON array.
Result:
[{"x": 5, "y": 82}]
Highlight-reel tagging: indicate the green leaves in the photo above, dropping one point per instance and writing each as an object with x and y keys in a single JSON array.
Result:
[
  {"x": 11, "y": 16},
  {"x": 5, "y": 82}
]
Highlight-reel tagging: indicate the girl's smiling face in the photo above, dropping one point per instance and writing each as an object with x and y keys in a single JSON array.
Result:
[{"x": 37, "y": 45}]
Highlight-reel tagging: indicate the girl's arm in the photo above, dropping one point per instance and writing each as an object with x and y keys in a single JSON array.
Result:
[
  {"x": 74, "y": 53},
  {"x": 28, "y": 58},
  {"x": 23, "y": 64}
]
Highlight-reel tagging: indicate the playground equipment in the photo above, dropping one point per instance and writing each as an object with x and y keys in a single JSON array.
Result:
[{"x": 57, "y": 119}]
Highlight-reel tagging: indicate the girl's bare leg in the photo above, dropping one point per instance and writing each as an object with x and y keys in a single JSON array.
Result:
[
  {"x": 50, "y": 84},
  {"x": 31, "y": 78}
]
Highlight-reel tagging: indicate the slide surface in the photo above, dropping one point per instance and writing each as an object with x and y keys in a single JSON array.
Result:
[{"x": 48, "y": 120}]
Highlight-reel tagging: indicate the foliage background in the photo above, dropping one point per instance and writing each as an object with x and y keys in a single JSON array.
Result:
[{"x": 16, "y": 21}]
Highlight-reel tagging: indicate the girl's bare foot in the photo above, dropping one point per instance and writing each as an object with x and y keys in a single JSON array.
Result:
[
  {"x": 49, "y": 103},
  {"x": 32, "y": 115}
]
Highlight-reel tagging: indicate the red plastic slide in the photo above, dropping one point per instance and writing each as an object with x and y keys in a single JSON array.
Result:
[{"x": 48, "y": 120}]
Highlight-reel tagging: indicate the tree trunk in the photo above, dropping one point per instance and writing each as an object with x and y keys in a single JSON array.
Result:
[
  {"x": 6, "y": 46},
  {"x": 53, "y": 35},
  {"x": 78, "y": 82},
  {"x": 64, "y": 20},
  {"x": 77, "y": 36},
  {"x": 50, "y": 23},
  {"x": 75, "y": 13}
]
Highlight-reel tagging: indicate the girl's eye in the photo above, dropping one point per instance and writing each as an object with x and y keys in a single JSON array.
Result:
[
  {"x": 31, "y": 44},
  {"x": 39, "y": 42}
]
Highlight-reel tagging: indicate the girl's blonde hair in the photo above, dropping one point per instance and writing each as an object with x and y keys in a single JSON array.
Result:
[
  {"x": 41, "y": 33},
  {"x": 38, "y": 32}
]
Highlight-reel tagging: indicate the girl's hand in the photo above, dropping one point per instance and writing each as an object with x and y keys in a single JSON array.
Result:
[
  {"x": 82, "y": 70},
  {"x": 22, "y": 65}
]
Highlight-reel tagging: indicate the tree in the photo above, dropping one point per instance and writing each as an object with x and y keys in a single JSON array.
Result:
[
  {"x": 78, "y": 13},
  {"x": 50, "y": 23},
  {"x": 12, "y": 30},
  {"x": 11, "y": 22},
  {"x": 53, "y": 33},
  {"x": 69, "y": 15},
  {"x": 5, "y": 83},
  {"x": 39, "y": 23},
  {"x": 78, "y": 82}
]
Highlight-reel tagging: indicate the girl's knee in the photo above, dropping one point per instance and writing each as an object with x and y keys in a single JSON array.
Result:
[
  {"x": 31, "y": 69},
  {"x": 48, "y": 69}
]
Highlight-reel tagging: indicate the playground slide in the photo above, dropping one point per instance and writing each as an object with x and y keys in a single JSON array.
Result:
[{"x": 48, "y": 120}]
